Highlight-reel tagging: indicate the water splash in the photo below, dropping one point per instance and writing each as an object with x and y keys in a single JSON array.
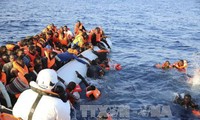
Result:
[{"x": 195, "y": 79}]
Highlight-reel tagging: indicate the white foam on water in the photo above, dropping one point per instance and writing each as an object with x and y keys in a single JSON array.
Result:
[{"x": 195, "y": 80}]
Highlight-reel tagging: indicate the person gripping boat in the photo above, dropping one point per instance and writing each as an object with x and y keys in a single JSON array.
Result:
[
  {"x": 24, "y": 63},
  {"x": 185, "y": 100},
  {"x": 91, "y": 91}
]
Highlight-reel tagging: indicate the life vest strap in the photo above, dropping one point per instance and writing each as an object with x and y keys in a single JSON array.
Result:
[
  {"x": 30, "y": 115},
  {"x": 44, "y": 92}
]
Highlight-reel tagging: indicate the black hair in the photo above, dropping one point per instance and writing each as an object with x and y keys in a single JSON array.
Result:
[
  {"x": 92, "y": 87},
  {"x": 182, "y": 61},
  {"x": 188, "y": 95},
  {"x": 50, "y": 32},
  {"x": 16, "y": 48},
  {"x": 3, "y": 50},
  {"x": 71, "y": 86},
  {"x": 31, "y": 48}
]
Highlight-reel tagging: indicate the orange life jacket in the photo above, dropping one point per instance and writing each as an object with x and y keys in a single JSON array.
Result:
[
  {"x": 185, "y": 65},
  {"x": 10, "y": 46},
  {"x": 32, "y": 57},
  {"x": 22, "y": 78},
  {"x": 90, "y": 35},
  {"x": 77, "y": 27},
  {"x": 99, "y": 35},
  {"x": 50, "y": 62},
  {"x": 96, "y": 93},
  {"x": 63, "y": 39},
  {"x": 102, "y": 51},
  {"x": 23, "y": 71},
  {"x": 42, "y": 49},
  {"x": 3, "y": 78},
  {"x": 6, "y": 116},
  {"x": 56, "y": 39}
]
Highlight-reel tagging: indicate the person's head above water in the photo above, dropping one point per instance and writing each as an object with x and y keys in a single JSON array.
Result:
[
  {"x": 180, "y": 62},
  {"x": 187, "y": 98},
  {"x": 166, "y": 64}
]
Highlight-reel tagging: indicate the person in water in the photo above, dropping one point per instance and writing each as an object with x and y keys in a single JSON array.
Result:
[
  {"x": 91, "y": 91},
  {"x": 181, "y": 65},
  {"x": 165, "y": 65},
  {"x": 186, "y": 102}
]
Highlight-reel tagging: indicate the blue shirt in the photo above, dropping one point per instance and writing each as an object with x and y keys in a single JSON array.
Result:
[{"x": 66, "y": 57}]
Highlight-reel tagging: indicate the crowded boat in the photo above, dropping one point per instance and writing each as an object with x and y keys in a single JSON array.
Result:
[{"x": 31, "y": 71}]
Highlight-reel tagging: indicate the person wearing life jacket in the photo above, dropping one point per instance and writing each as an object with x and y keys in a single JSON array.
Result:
[
  {"x": 7, "y": 68},
  {"x": 55, "y": 37},
  {"x": 72, "y": 90},
  {"x": 4, "y": 59},
  {"x": 181, "y": 65},
  {"x": 68, "y": 34},
  {"x": 102, "y": 54},
  {"x": 32, "y": 54},
  {"x": 79, "y": 41},
  {"x": 51, "y": 61},
  {"x": 4, "y": 97},
  {"x": 95, "y": 70},
  {"x": 3, "y": 50},
  {"x": 41, "y": 44},
  {"x": 62, "y": 37},
  {"x": 49, "y": 39},
  {"x": 21, "y": 79},
  {"x": 91, "y": 91},
  {"x": 166, "y": 65},
  {"x": 20, "y": 53},
  {"x": 110, "y": 65},
  {"x": 10, "y": 46},
  {"x": 38, "y": 65},
  {"x": 45, "y": 30},
  {"x": 20, "y": 66},
  {"x": 97, "y": 36},
  {"x": 78, "y": 26},
  {"x": 52, "y": 27},
  {"x": 46, "y": 99},
  {"x": 186, "y": 102}
]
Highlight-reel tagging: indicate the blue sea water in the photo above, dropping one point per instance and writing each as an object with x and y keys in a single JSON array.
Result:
[{"x": 143, "y": 32}]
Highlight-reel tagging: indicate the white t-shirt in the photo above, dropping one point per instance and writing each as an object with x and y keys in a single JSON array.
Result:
[{"x": 48, "y": 108}]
